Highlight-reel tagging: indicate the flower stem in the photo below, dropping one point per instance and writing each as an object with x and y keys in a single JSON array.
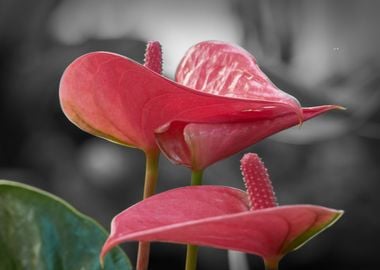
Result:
[
  {"x": 271, "y": 264},
  {"x": 192, "y": 251},
  {"x": 151, "y": 173},
  {"x": 191, "y": 257},
  {"x": 196, "y": 178}
]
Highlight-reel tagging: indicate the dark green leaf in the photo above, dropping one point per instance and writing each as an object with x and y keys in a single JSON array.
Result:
[{"x": 39, "y": 231}]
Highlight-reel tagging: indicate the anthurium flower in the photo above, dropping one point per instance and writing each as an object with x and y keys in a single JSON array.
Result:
[
  {"x": 224, "y": 217},
  {"x": 113, "y": 97},
  {"x": 226, "y": 70}
]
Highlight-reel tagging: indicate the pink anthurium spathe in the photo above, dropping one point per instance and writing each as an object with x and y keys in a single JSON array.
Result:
[
  {"x": 113, "y": 97},
  {"x": 226, "y": 70},
  {"x": 224, "y": 217}
]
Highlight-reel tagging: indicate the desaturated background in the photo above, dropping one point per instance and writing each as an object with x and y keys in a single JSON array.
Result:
[{"x": 322, "y": 52}]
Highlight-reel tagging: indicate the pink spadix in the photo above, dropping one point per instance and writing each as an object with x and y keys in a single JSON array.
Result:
[
  {"x": 222, "y": 217},
  {"x": 259, "y": 187},
  {"x": 153, "y": 56}
]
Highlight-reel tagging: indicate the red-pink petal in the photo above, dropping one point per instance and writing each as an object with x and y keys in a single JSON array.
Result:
[
  {"x": 200, "y": 145},
  {"x": 227, "y": 70},
  {"x": 218, "y": 217},
  {"x": 116, "y": 98}
]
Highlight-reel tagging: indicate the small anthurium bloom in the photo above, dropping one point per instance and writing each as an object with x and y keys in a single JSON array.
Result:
[
  {"x": 224, "y": 217},
  {"x": 226, "y": 70}
]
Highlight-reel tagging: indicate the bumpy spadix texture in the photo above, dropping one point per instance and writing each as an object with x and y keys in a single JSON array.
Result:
[
  {"x": 226, "y": 70},
  {"x": 256, "y": 179},
  {"x": 220, "y": 217},
  {"x": 153, "y": 56}
]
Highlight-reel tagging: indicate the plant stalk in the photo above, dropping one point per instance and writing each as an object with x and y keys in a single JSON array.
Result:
[
  {"x": 271, "y": 264},
  {"x": 192, "y": 251},
  {"x": 151, "y": 174},
  {"x": 196, "y": 178}
]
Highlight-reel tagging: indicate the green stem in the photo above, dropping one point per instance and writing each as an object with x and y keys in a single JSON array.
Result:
[
  {"x": 191, "y": 257},
  {"x": 192, "y": 251},
  {"x": 271, "y": 264},
  {"x": 196, "y": 178},
  {"x": 151, "y": 173}
]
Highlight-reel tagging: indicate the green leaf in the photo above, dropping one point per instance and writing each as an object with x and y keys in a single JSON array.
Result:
[{"x": 40, "y": 231}]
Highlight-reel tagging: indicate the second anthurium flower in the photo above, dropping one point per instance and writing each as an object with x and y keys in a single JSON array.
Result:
[
  {"x": 227, "y": 70},
  {"x": 224, "y": 217},
  {"x": 220, "y": 104}
]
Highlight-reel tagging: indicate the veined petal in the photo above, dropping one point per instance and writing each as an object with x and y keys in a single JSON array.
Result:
[
  {"x": 227, "y": 70},
  {"x": 218, "y": 217},
  {"x": 206, "y": 201}
]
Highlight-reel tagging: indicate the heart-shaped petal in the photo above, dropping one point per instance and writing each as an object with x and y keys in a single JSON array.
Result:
[
  {"x": 219, "y": 217},
  {"x": 116, "y": 98}
]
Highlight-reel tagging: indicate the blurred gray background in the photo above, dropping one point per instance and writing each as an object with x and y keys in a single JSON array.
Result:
[{"x": 322, "y": 52}]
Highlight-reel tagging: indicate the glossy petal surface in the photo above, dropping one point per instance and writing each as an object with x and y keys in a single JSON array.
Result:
[
  {"x": 219, "y": 217},
  {"x": 116, "y": 98},
  {"x": 224, "y": 69},
  {"x": 40, "y": 231}
]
